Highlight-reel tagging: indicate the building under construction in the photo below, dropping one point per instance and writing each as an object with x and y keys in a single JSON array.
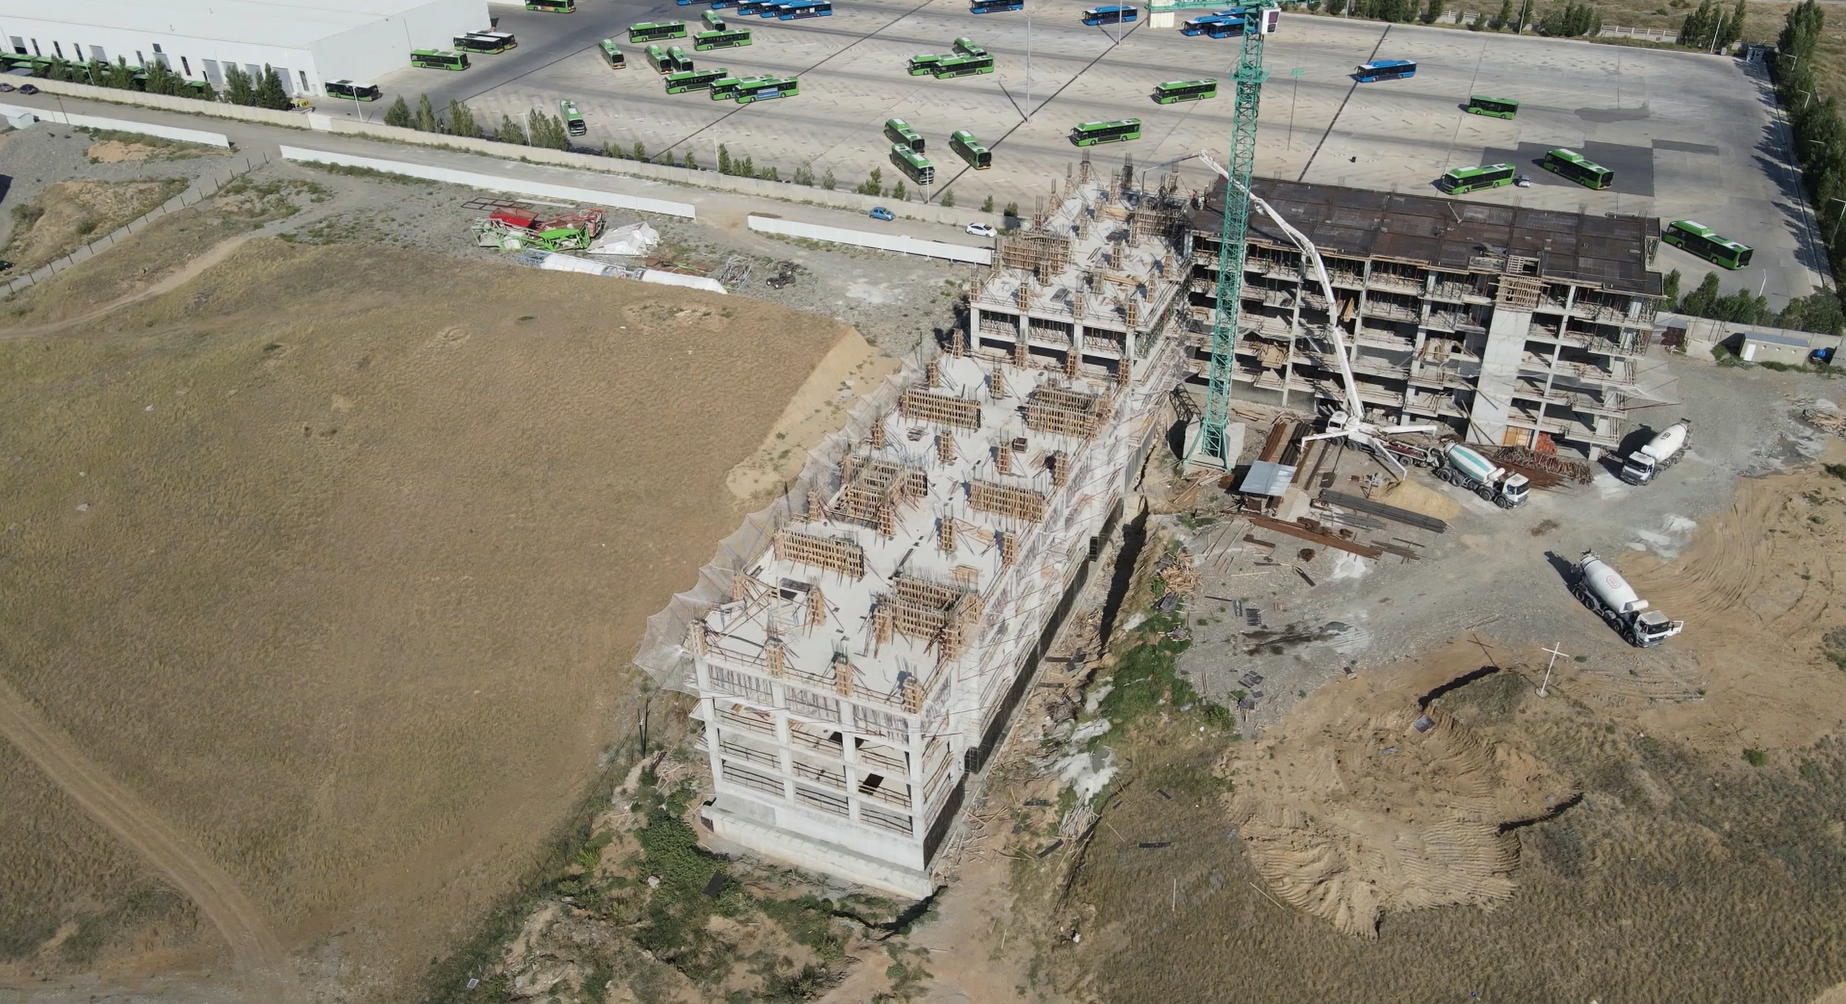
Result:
[
  {"x": 859, "y": 648},
  {"x": 1510, "y": 326}
]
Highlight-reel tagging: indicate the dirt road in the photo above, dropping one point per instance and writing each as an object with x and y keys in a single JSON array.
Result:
[{"x": 178, "y": 859}]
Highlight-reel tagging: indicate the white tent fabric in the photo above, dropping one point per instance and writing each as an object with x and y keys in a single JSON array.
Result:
[{"x": 633, "y": 239}]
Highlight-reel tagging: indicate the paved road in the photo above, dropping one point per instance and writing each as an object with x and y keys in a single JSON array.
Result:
[{"x": 1691, "y": 136}]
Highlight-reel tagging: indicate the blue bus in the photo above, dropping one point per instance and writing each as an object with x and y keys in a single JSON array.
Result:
[
  {"x": 995, "y": 6},
  {"x": 1205, "y": 23},
  {"x": 763, "y": 10},
  {"x": 745, "y": 8},
  {"x": 1230, "y": 28},
  {"x": 1110, "y": 14},
  {"x": 804, "y": 8},
  {"x": 1384, "y": 69},
  {"x": 722, "y": 4}
]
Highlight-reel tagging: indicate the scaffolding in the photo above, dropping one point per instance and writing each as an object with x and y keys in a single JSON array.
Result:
[
  {"x": 1065, "y": 412},
  {"x": 1006, "y": 500},
  {"x": 834, "y": 554},
  {"x": 939, "y": 409}
]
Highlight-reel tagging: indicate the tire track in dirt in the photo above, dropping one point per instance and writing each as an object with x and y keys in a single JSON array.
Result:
[
  {"x": 255, "y": 947},
  {"x": 184, "y": 274}
]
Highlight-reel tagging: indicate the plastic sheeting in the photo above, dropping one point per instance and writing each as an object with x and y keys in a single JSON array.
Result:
[
  {"x": 676, "y": 279},
  {"x": 633, "y": 239}
]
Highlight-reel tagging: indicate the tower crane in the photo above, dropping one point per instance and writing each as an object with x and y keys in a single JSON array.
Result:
[{"x": 1247, "y": 77}]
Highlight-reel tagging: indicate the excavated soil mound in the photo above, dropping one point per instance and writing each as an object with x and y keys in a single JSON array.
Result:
[
  {"x": 1407, "y": 494},
  {"x": 1362, "y": 805}
]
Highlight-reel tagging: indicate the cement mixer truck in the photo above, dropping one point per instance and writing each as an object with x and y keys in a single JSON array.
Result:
[
  {"x": 1659, "y": 453},
  {"x": 1467, "y": 469},
  {"x": 1609, "y": 596}
]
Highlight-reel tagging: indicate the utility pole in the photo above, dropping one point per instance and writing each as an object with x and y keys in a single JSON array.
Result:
[
  {"x": 1836, "y": 220},
  {"x": 1028, "y": 67}
]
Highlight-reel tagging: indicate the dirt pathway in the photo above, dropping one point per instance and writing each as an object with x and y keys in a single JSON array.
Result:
[
  {"x": 172, "y": 282},
  {"x": 178, "y": 859}
]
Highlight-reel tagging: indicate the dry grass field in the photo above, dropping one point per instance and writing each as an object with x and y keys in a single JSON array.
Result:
[
  {"x": 69, "y": 213},
  {"x": 335, "y": 557}
]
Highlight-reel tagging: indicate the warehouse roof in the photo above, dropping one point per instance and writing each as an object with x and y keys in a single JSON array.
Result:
[
  {"x": 1608, "y": 251},
  {"x": 289, "y": 23}
]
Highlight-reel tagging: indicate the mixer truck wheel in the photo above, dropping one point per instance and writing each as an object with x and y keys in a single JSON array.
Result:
[{"x": 1485, "y": 493}]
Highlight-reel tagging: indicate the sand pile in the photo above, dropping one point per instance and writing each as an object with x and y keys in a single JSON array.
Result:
[{"x": 1364, "y": 804}]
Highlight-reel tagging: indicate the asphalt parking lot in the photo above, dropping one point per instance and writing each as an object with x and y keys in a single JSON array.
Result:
[{"x": 1658, "y": 116}]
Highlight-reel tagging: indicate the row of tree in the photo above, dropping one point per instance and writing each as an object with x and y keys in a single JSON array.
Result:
[
  {"x": 1818, "y": 312},
  {"x": 1711, "y": 27},
  {"x": 1820, "y": 135}
]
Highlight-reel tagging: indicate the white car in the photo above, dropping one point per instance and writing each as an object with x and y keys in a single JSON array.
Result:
[
  {"x": 1522, "y": 181},
  {"x": 980, "y": 230}
]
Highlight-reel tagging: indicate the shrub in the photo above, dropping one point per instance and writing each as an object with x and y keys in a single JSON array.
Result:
[
  {"x": 948, "y": 199},
  {"x": 987, "y": 204},
  {"x": 399, "y": 114}
]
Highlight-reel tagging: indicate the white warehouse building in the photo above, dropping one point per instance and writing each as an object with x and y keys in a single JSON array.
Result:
[{"x": 308, "y": 42}]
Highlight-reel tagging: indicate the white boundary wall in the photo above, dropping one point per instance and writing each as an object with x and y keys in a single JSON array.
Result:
[
  {"x": 867, "y": 239},
  {"x": 120, "y": 125},
  {"x": 492, "y": 183}
]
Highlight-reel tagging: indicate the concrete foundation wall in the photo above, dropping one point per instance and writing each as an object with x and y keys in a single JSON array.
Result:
[
  {"x": 119, "y": 125},
  {"x": 868, "y": 239},
  {"x": 493, "y": 183},
  {"x": 730, "y": 820}
]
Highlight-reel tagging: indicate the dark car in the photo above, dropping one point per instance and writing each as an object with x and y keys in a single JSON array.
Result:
[
  {"x": 27, "y": 89},
  {"x": 5, "y": 88},
  {"x": 5, "y": 266}
]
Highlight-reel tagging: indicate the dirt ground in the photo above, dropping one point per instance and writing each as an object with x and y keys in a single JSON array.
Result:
[
  {"x": 68, "y": 213},
  {"x": 340, "y": 589}
]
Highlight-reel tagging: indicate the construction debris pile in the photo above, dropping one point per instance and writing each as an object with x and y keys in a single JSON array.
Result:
[{"x": 513, "y": 228}]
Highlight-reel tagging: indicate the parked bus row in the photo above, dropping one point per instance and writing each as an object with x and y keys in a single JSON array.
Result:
[
  {"x": 963, "y": 59},
  {"x": 908, "y": 145},
  {"x": 477, "y": 42}
]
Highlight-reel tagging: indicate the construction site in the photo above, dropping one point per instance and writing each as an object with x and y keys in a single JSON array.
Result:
[
  {"x": 1506, "y": 326},
  {"x": 859, "y": 647}
]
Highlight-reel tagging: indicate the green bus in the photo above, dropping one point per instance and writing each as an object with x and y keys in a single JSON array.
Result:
[
  {"x": 1463, "y": 180},
  {"x": 725, "y": 89},
  {"x": 1185, "y": 90},
  {"x": 920, "y": 65},
  {"x": 695, "y": 80},
  {"x": 486, "y": 44},
  {"x": 714, "y": 21},
  {"x": 573, "y": 119},
  {"x": 962, "y": 66},
  {"x": 705, "y": 41},
  {"x": 898, "y": 131},
  {"x": 612, "y": 55},
  {"x": 1575, "y": 167},
  {"x": 1092, "y": 133},
  {"x": 438, "y": 59},
  {"x": 1500, "y": 108},
  {"x": 967, "y": 47},
  {"x": 682, "y": 63},
  {"x": 352, "y": 91},
  {"x": 659, "y": 60},
  {"x": 1701, "y": 240},
  {"x": 553, "y": 6},
  {"x": 766, "y": 88},
  {"x": 650, "y": 32},
  {"x": 970, "y": 149},
  {"x": 913, "y": 164}
]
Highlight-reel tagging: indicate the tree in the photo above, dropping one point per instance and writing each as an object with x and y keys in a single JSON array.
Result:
[
  {"x": 269, "y": 93},
  {"x": 1504, "y": 18},
  {"x": 1012, "y": 211},
  {"x": 1695, "y": 31},
  {"x": 769, "y": 174},
  {"x": 640, "y": 150},
  {"x": 691, "y": 165},
  {"x": 1336, "y": 7},
  {"x": 1818, "y": 312},
  {"x": 1525, "y": 16},
  {"x": 873, "y": 184},
  {"x": 987, "y": 205},
  {"x": 237, "y": 87},
  {"x": 461, "y": 120},
  {"x": 1477, "y": 24},
  {"x": 948, "y": 199},
  {"x": 1434, "y": 13},
  {"x": 1669, "y": 292},
  {"x": 724, "y": 159},
  {"x": 1732, "y": 32},
  {"x": 509, "y": 132},
  {"x": 899, "y": 192},
  {"x": 827, "y": 180},
  {"x": 744, "y": 167},
  {"x": 804, "y": 175},
  {"x": 426, "y": 115},
  {"x": 399, "y": 114}
]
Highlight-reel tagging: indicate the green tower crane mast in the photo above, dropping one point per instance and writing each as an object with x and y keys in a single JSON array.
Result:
[{"x": 1209, "y": 446}]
